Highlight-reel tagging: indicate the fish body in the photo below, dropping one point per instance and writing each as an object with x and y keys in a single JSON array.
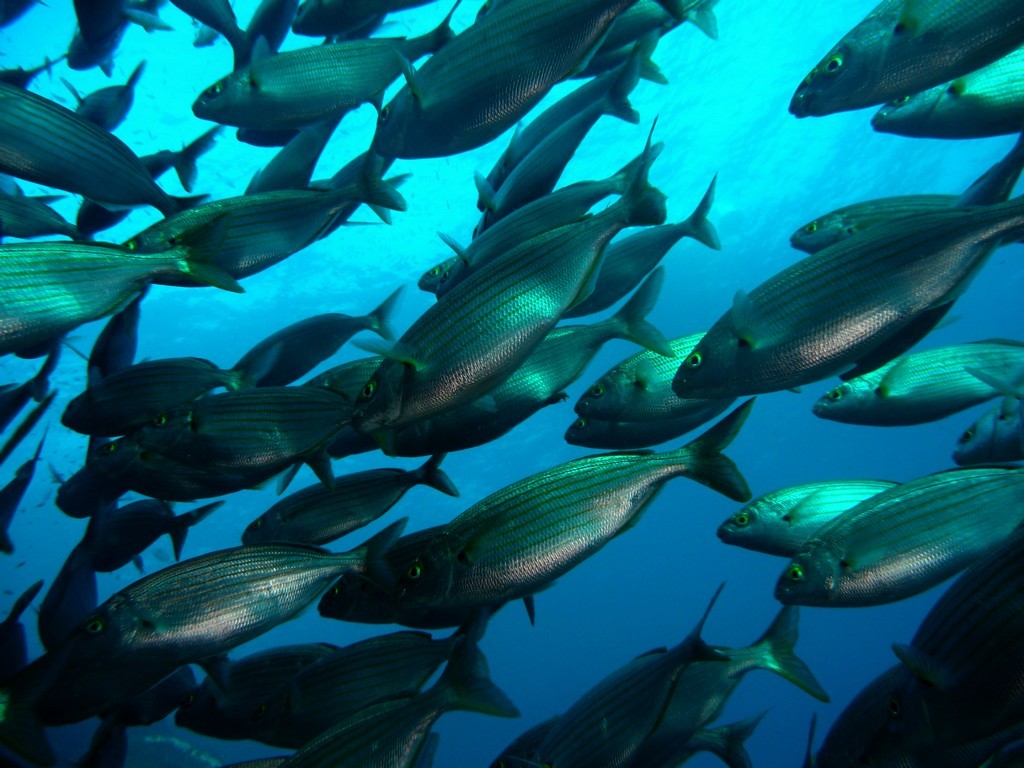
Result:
[
  {"x": 13, "y": 650},
  {"x": 923, "y": 386},
  {"x": 134, "y": 396},
  {"x": 998, "y": 436},
  {"x": 11, "y": 496},
  {"x": 492, "y": 74},
  {"x": 630, "y": 435},
  {"x": 870, "y": 297},
  {"x": 25, "y": 217},
  {"x": 49, "y": 144},
  {"x": 904, "y": 540},
  {"x": 296, "y": 88},
  {"x": 778, "y": 523},
  {"x": 108, "y": 107},
  {"x": 987, "y": 102},
  {"x": 902, "y": 48}
]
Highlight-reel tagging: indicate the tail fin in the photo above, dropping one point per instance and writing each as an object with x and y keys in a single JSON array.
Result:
[
  {"x": 728, "y": 741},
  {"x": 183, "y": 522},
  {"x": 431, "y": 474},
  {"x": 698, "y": 226},
  {"x": 442, "y": 34},
  {"x": 702, "y": 16},
  {"x": 466, "y": 684},
  {"x": 185, "y": 160},
  {"x": 709, "y": 465},
  {"x": 133, "y": 79},
  {"x": 376, "y": 192},
  {"x": 617, "y": 99},
  {"x": 631, "y": 319},
  {"x": 775, "y": 652},
  {"x": 644, "y": 203},
  {"x": 380, "y": 318}
]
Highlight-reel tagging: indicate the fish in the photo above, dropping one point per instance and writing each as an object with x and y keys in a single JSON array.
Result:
[
  {"x": 13, "y": 10},
  {"x": 14, "y": 397},
  {"x": 26, "y": 426},
  {"x": 862, "y": 301},
  {"x": 778, "y": 523},
  {"x": 627, "y": 261},
  {"x": 13, "y": 650},
  {"x": 726, "y": 742},
  {"x": 25, "y": 217},
  {"x": 925, "y": 386},
  {"x": 115, "y": 345},
  {"x": 907, "y": 47},
  {"x": 349, "y": 18},
  {"x": 518, "y": 540},
  {"x": 462, "y": 339},
  {"x": 21, "y": 77},
  {"x": 11, "y": 496},
  {"x": 982, "y": 103},
  {"x": 492, "y": 74},
  {"x": 629, "y": 435},
  {"x": 292, "y": 167},
  {"x": 49, "y": 144},
  {"x": 296, "y": 88},
  {"x": 52, "y": 288},
  {"x": 962, "y": 659},
  {"x": 539, "y": 382},
  {"x": 72, "y": 596},
  {"x": 108, "y": 107},
  {"x": 317, "y": 515},
  {"x": 134, "y": 397},
  {"x": 295, "y": 350},
  {"x": 998, "y": 435},
  {"x": 904, "y": 540},
  {"x": 218, "y": 15}
]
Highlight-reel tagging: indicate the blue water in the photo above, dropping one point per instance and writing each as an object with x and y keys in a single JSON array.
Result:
[{"x": 725, "y": 112}]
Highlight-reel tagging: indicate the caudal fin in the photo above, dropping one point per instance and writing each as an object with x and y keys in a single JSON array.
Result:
[
  {"x": 775, "y": 652},
  {"x": 183, "y": 522},
  {"x": 728, "y": 742},
  {"x": 631, "y": 319},
  {"x": 708, "y": 465},
  {"x": 698, "y": 226},
  {"x": 380, "y": 318},
  {"x": 185, "y": 160},
  {"x": 466, "y": 684},
  {"x": 644, "y": 203},
  {"x": 702, "y": 16},
  {"x": 431, "y": 474}
]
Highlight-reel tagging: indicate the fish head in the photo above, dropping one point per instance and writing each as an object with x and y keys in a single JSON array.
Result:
[
  {"x": 589, "y": 433},
  {"x": 166, "y": 430},
  {"x": 744, "y": 526},
  {"x": 431, "y": 279},
  {"x": 199, "y": 708},
  {"x": 842, "y": 403},
  {"x": 379, "y": 403},
  {"x": 395, "y": 125},
  {"x": 359, "y": 597},
  {"x": 824, "y": 231},
  {"x": 264, "y": 528},
  {"x": 997, "y": 436},
  {"x": 712, "y": 368},
  {"x": 811, "y": 578},
  {"x": 914, "y": 115},
  {"x": 224, "y": 100},
  {"x": 452, "y": 273},
  {"x": 78, "y": 414}
]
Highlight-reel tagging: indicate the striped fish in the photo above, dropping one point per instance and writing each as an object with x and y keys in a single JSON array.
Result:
[
  {"x": 998, "y": 436},
  {"x": 26, "y": 217},
  {"x": 904, "y": 540},
  {"x": 779, "y": 522},
  {"x": 46, "y": 143},
  {"x": 629, "y": 435},
  {"x": 493, "y": 73}
]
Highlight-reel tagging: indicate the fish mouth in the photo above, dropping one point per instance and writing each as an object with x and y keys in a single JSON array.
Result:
[{"x": 800, "y": 104}]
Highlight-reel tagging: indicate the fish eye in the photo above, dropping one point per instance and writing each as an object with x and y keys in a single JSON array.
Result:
[
  {"x": 966, "y": 436},
  {"x": 108, "y": 448},
  {"x": 835, "y": 395},
  {"x": 795, "y": 573},
  {"x": 132, "y": 244},
  {"x": 369, "y": 390},
  {"x": 596, "y": 391},
  {"x": 214, "y": 90},
  {"x": 894, "y": 706},
  {"x": 435, "y": 272},
  {"x": 694, "y": 360},
  {"x": 834, "y": 64},
  {"x": 385, "y": 114},
  {"x": 900, "y": 101},
  {"x": 414, "y": 571},
  {"x": 94, "y": 627},
  {"x": 161, "y": 420},
  {"x": 261, "y": 710},
  {"x": 742, "y": 519},
  {"x": 336, "y": 590},
  {"x": 189, "y": 700},
  {"x": 811, "y": 228},
  {"x": 580, "y": 423},
  {"x": 257, "y": 523}
]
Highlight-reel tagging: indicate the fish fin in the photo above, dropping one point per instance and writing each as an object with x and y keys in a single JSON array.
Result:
[
  {"x": 776, "y": 653},
  {"x": 645, "y": 204},
  {"x": 380, "y": 318},
  {"x": 486, "y": 403},
  {"x": 22, "y": 603},
  {"x": 617, "y": 101},
  {"x": 531, "y": 609},
  {"x": 645, "y": 374},
  {"x": 411, "y": 77},
  {"x": 286, "y": 477},
  {"x": 26, "y": 426},
  {"x": 455, "y": 245},
  {"x": 921, "y": 665},
  {"x": 183, "y": 522},
  {"x": 713, "y": 468},
  {"x": 148, "y": 21},
  {"x": 320, "y": 463},
  {"x": 744, "y": 319},
  {"x": 139, "y": 565},
  {"x": 202, "y": 245},
  {"x": 1006, "y": 388},
  {"x": 899, "y": 342},
  {"x": 185, "y": 161},
  {"x": 694, "y": 643},
  {"x": 556, "y": 398},
  {"x": 218, "y": 670},
  {"x": 107, "y": 66},
  {"x": 70, "y": 598},
  {"x": 485, "y": 191},
  {"x": 632, "y": 317},
  {"x": 21, "y": 731},
  {"x": 385, "y": 440},
  {"x": 431, "y": 474},
  {"x": 390, "y": 352},
  {"x": 697, "y": 224},
  {"x": 377, "y": 193},
  {"x": 424, "y": 757},
  {"x": 376, "y": 547},
  {"x": 133, "y": 79},
  {"x": 809, "y": 753},
  {"x": 910, "y": 18},
  {"x": 727, "y": 742},
  {"x": 651, "y": 72},
  {"x": 702, "y": 16},
  {"x": 466, "y": 684}
]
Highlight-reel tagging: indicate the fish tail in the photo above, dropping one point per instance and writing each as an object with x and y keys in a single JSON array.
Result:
[
  {"x": 378, "y": 194},
  {"x": 185, "y": 160},
  {"x": 380, "y": 318},
  {"x": 617, "y": 100},
  {"x": 185, "y": 521},
  {"x": 431, "y": 474},
  {"x": 133, "y": 79},
  {"x": 698, "y": 226},
  {"x": 728, "y": 743},
  {"x": 6, "y": 544},
  {"x": 443, "y": 33},
  {"x": 708, "y": 465},
  {"x": 40, "y": 384},
  {"x": 644, "y": 203},
  {"x": 702, "y": 16},
  {"x": 631, "y": 319},
  {"x": 776, "y": 653},
  {"x": 466, "y": 684}
]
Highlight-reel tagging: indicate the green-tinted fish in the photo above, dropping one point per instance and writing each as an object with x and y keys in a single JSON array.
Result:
[
  {"x": 965, "y": 658},
  {"x": 923, "y": 386},
  {"x": 492, "y": 74},
  {"x": 253, "y": 232},
  {"x": 26, "y": 217},
  {"x": 338, "y": 17},
  {"x": 779, "y": 522},
  {"x": 236, "y": 704},
  {"x": 480, "y": 332},
  {"x": 640, "y": 389},
  {"x": 629, "y": 435},
  {"x": 13, "y": 649},
  {"x": 904, "y": 540},
  {"x": 297, "y": 349},
  {"x": 518, "y": 540},
  {"x": 393, "y": 733},
  {"x": 318, "y": 515},
  {"x": 850, "y": 219},
  {"x": 133, "y": 397},
  {"x": 540, "y": 381},
  {"x": 48, "y": 289},
  {"x": 987, "y": 102},
  {"x": 49, "y": 144},
  {"x": 908, "y": 46},
  {"x": 864, "y": 300},
  {"x": 108, "y": 107},
  {"x": 998, "y": 436},
  {"x": 299, "y": 87}
]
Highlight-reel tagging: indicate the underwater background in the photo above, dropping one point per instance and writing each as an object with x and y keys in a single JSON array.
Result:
[{"x": 723, "y": 111}]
